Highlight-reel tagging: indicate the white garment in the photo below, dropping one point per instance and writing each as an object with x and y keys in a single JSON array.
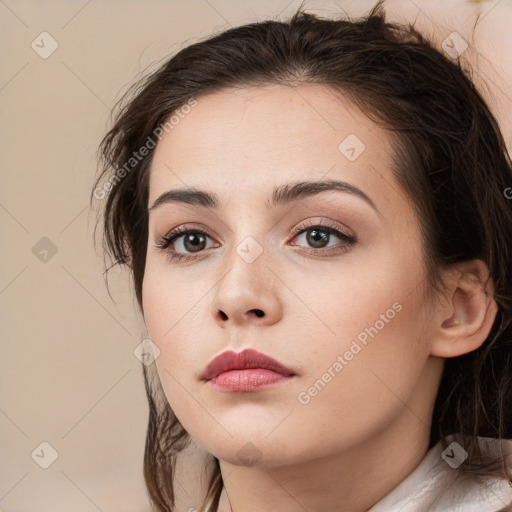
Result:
[{"x": 431, "y": 487}]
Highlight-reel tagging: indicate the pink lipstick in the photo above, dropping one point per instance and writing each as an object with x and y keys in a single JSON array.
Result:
[{"x": 245, "y": 371}]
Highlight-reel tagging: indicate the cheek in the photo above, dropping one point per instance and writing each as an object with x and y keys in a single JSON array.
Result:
[
  {"x": 374, "y": 343},
  {"x": 172, "y": 323},
  {"x": 358, "y": 383},
  {"x": 168, "y": 299},
  {"x": 163, "y": 307},
  {"x": 179, "y": 322}
]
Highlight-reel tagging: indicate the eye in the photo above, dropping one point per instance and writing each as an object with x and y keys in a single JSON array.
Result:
[
  {"x": 187, "y": 241},
  {"x": 319, "y": 235}
]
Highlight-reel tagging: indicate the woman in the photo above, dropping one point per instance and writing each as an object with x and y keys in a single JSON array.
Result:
[{"x": 316, "y": 219}]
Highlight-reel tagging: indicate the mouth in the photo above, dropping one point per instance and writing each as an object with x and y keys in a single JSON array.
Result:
[
  {"x": 244, "y": 381},
  {"x": 246, "y": 371}
]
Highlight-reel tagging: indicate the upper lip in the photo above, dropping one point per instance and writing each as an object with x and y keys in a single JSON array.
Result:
[{"x": 248, "y": 358}]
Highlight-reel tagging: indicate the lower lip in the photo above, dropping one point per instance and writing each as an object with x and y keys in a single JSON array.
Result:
[{"x": 252, "y": 379}]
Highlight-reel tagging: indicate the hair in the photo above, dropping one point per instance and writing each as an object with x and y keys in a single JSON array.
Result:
[{"x": 449, "y": 156}]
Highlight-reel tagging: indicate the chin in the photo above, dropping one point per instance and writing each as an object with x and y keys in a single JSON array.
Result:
[{"x": 261, "y": 451}]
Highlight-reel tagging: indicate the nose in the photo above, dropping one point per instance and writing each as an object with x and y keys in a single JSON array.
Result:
[{"x": 247, "y": 294}]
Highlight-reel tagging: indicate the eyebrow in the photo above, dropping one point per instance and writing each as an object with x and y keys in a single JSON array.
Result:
[{"x": 281, "y": 195}]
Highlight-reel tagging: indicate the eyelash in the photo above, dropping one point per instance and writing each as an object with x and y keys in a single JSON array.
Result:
[{"x": 167, "y": 240}]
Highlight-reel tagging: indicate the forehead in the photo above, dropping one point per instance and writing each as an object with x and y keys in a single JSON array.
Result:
[{"x": 271, "y": 133}]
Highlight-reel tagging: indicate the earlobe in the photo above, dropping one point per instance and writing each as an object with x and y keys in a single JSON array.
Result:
[{"x": 466, "y": 315}]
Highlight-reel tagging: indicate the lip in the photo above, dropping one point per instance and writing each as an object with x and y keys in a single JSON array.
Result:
[{"x": 245, "y": 371}]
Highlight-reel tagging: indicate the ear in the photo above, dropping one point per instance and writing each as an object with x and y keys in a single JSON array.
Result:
[{"x": 465, "y": 316}]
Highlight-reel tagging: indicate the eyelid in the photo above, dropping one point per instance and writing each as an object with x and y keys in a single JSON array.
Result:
[
  {"x": 183, "y": 229},
  {"x": 310, "y": 223}
]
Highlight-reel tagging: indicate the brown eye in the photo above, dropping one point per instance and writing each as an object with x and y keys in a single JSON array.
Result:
[
  {"x": 318, "y": 238},
  {"x": 183, "y": 243},
  {"x": 194, "y": 241}
]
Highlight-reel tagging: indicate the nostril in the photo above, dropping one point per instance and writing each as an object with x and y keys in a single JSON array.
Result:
[
  {"x": 223, "y": 315},
  {"x": 258, "y": 312}
]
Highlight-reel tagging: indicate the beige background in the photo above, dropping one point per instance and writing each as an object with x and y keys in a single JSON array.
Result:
[{"x": 68, "y": 373}]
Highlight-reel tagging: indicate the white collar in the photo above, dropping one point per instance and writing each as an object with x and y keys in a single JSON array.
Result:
[{"x": 432, "y": 486}]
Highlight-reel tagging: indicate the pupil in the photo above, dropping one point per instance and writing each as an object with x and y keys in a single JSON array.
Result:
[
  {"x": 317, "y": 237},
  {"x": 194, "y": 244}
]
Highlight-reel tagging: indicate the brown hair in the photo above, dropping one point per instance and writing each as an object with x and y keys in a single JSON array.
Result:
[{"x": 450, "y": 158}]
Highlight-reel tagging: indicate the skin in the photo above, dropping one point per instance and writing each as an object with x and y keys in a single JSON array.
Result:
[{"x": 376, "y": 412}]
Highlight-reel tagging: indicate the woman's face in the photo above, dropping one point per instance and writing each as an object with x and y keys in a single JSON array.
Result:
[{"x": 343, "y": 309}]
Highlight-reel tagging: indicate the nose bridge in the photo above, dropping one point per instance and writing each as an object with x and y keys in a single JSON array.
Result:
[{"x": 247, "y": 291}]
